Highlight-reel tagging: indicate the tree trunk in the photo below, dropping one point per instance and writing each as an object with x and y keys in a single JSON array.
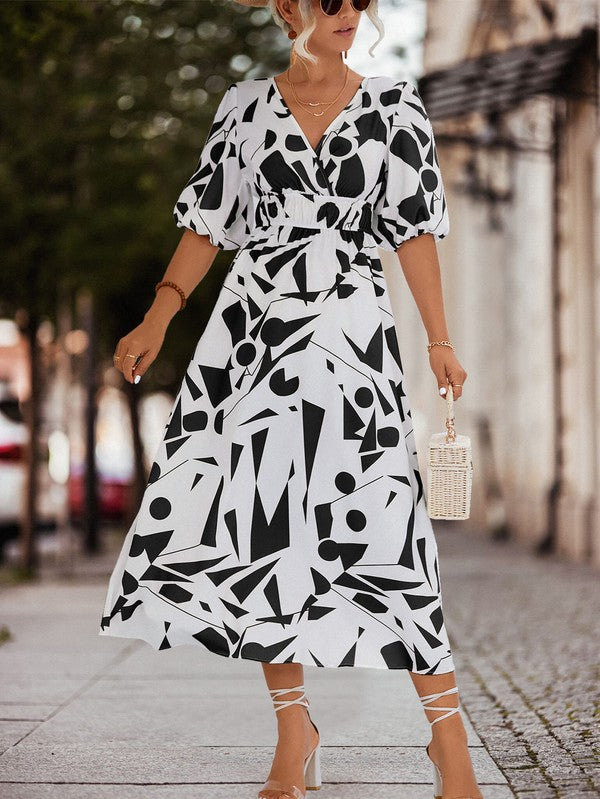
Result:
[
  {"x": 90, "y": 514},
  {"x": 31, "y": 412}
]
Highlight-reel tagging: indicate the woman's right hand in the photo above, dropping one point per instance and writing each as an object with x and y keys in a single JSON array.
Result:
[{"x": 145, "y": 340}]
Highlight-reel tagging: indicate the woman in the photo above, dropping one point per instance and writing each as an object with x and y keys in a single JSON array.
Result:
[{"x": 284, "y": 518}]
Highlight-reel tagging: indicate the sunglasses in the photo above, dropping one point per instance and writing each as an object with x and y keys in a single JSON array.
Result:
[{"x": 331, "y": 7}]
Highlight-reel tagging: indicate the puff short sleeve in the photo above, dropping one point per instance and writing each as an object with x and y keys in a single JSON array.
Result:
[
  {"x": 216, "y": 201},
  {"x": 413, "y": 201}
]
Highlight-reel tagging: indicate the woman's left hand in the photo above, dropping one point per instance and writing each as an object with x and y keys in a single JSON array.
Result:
[{"x": 447, "y": 370}]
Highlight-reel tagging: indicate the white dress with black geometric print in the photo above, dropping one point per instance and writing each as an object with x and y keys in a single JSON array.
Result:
[{"x": 284, "y": 518}]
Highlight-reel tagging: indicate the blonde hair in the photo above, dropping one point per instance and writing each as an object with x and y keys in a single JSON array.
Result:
[{"x": 309, "y": 23}]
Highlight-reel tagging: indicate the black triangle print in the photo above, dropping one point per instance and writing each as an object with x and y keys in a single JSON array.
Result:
[
  {"x": 174, "y": 427},
  {"x": 195, "y": 392},
  {"x": 244, "y": 587},
  {"x": 209, "y": 533},
  {"x": 173, "y": 446}
]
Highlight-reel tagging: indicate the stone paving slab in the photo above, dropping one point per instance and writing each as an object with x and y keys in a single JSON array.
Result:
[
  {"x": 13, "y": 711},
  {"x": 38, "y": 689},
  {"x": 238, "y": 790},
  {"x": 171, "y": 763},
  {"x": 11, "y": 732},
  {"x": 388, "y": 713},
  {"x": 194, "y": 714}
]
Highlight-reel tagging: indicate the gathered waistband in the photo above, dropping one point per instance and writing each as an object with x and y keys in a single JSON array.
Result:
[{"x": 309, "y": 210}]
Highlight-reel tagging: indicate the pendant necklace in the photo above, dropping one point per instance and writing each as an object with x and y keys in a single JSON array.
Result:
[{"x": 302, "y": 103}]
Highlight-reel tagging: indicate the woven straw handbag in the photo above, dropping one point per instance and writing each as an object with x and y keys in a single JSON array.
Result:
[{"x": 449, "y": 470}]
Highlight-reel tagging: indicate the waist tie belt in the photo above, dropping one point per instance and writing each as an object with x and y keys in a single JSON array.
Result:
[{"x": 309, "y": 210}]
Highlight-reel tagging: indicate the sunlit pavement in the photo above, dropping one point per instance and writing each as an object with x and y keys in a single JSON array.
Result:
[{"x": 88, "y": 716}]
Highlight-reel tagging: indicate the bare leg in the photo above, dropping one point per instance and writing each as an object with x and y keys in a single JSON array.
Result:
[
  {"x": 448, "y": 746},
  {"x": 297, "y": 736}
]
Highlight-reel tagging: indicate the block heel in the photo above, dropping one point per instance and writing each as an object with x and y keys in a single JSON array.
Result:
[
  {"x": 312, "y": 764},
  {"x": 437, "y": 780},
  {"x": 312, "y": 769}
]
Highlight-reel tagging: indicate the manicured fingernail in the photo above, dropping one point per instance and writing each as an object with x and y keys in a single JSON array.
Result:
[
  {"x": 137, "y": 378},
  {"x": 442, "y": 391}
]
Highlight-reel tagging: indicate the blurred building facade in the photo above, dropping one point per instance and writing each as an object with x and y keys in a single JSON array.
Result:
[{"x": 511, "y": 88}]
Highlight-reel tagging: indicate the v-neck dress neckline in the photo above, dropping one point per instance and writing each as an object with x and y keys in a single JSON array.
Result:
[{"x": 316, "y": 150}]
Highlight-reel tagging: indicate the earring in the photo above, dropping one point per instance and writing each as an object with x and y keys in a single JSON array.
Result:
[{"x": 292, "y": 34}]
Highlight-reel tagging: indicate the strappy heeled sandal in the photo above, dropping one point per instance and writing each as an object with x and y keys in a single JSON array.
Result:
[
  {"x": 437, "y": 774},
  {"x": 312, "y": 764}
]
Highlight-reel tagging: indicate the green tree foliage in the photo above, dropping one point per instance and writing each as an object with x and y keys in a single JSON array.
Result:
[{"x": 104, "y": 108}]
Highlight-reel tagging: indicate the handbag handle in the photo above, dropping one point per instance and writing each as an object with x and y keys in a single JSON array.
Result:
[{"x": 451, "y": 433}]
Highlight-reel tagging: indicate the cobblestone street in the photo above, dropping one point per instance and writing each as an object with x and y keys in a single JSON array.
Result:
[{"x": 526, "y": 645}]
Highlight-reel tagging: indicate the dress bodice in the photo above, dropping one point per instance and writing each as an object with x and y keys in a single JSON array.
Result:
[{"x": 374, "y": 169}]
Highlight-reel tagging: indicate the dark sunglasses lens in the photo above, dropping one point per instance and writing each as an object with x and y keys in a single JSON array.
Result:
[{"x": 332, "y": 7}]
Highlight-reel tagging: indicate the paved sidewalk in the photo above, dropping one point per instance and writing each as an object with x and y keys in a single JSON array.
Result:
[{"x": 94, "y": 717}]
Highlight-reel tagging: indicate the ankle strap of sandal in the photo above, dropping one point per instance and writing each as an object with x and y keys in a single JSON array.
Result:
[
  {"x": 433, "y": 697},
  {"x": 281, "y": 703}
]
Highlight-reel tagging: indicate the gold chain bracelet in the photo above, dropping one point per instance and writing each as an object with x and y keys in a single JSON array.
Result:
[
  {"x": 444, "y": 343},
  {"x": 173, "y": 286}
]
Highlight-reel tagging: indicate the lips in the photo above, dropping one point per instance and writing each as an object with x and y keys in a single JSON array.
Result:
[{"x": 349, "y": 28}]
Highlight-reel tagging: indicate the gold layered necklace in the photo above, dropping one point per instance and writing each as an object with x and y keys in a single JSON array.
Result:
[{"x": 304, "y": 103}]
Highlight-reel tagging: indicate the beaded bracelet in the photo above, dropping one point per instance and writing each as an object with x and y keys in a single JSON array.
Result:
[
  {"x": 173, "y": 286},
  {"x": 433, "y": 343}
]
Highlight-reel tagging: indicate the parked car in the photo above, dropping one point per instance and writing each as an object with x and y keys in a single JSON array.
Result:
[
  {"x": 112, "y": 494},
  {"x": 13, "y": 440},
  {"x": 13, "y": 472}
]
